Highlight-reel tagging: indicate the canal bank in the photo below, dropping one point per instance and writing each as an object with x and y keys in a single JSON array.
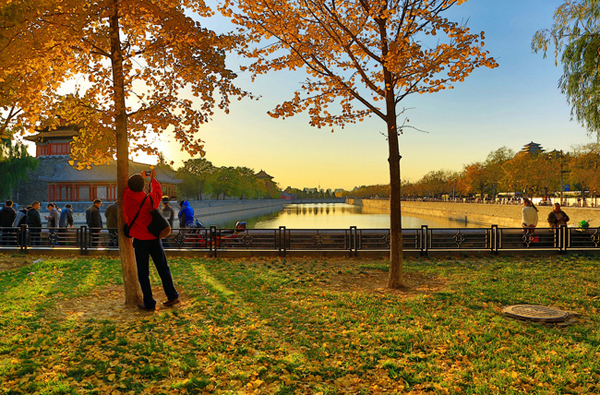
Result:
[{"x": 504, "y": 215}]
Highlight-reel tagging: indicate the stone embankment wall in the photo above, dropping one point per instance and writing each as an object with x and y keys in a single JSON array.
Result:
[
  {"x": 219, "y": 211},
  {"x": 211, "y": 212},
  {"x": 485, "y": 214}
]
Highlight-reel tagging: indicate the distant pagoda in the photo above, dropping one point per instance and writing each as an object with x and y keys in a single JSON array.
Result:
[{"x": 532, "y": 148}]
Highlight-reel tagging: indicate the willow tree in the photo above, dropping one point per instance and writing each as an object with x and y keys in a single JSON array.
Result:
[
  {"x": 143, "y": 67},
  {"x": 363, "y": 57},
  {"x": 575, "y": 37},
  {"x": 15, "y": 161}
]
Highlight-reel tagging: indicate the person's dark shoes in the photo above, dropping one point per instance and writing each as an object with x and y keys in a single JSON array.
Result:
[
  {"x": 143, "y": 307},
  {"x": 171, "y": 302}
]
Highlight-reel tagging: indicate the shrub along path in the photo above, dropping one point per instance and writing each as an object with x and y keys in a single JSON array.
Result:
[{"x": 297, "y": 326}]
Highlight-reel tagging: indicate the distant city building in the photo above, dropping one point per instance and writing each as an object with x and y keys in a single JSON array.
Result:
[{"x": 57, "y": 181}]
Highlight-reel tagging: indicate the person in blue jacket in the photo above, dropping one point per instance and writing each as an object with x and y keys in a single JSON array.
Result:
[{"x": 186, "y": 214}]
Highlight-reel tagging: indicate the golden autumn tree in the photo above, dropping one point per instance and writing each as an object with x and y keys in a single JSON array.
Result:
[
  {"x": 142, "y": 67},
  {"x": 363, "y": 58},
  {"x": 31, "y": 68}
]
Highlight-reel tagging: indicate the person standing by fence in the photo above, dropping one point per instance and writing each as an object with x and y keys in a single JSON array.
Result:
[
  {"x": 20, "y": 220},
  {"x": 557, "y": 217},
  {"x": 7, "y": 217},
  {"x": 65, "y": 221},
  {"x": 167, "y": 211},
  {"x": 53, "y": 216},
  {"x": 34, "y": 223},
  {"x": 186, "y": 214},
  {"x": 111, "y": 224},
  {"x": 66, "y": 217},
  {"x": 93, "y": 218},
  {"x": 529, "y": 216}
]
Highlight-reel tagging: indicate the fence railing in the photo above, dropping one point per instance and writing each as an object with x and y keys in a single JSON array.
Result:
[{"x": 282, "y": 240}]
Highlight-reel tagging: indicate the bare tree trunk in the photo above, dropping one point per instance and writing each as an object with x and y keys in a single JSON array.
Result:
[
  {"x": 396, "y": 269},
  {"x": 133, "y": 292},
  {"x": 396, "y": 258}
]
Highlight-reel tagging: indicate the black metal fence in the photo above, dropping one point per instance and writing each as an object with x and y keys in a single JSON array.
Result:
[{"x": 282, "y": 240}]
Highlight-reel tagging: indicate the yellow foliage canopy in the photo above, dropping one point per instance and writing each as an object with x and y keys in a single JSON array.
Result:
[
  {"x": 174, "y": 70},
  {"x": 358, "y": 51}
]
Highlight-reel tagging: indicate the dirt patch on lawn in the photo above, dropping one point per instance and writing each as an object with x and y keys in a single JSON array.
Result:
[
  {"x": 10, "y": 262},
  {"x": 109, "y": 304},
  {"x": 375, "y": 281}
]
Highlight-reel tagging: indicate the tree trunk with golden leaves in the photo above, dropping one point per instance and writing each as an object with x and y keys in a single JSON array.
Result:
[{"x": 133, "y": 292}]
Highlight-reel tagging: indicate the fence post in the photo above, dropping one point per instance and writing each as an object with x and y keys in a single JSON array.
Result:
[
  {"x": 424, "y": 240},
  {"x": 83, "y": 240},
  {"x": 494, "y": 239},
  {"x": 212, "y": 245},
  {"x": 353, "y": 241},
  {"x": 563, "y": 233},
  {"x": 23, "y": 238},
  {"x": 282, "y": 242}
]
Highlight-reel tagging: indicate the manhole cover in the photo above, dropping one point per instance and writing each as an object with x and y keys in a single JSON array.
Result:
[{"x": 536, "y": 313}]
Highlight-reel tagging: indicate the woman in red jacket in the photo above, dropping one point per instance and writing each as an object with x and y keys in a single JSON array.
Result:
[{"x": 147, "y": 245}]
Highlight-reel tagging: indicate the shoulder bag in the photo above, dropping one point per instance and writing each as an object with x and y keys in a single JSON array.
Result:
[{"x": 159, "y": 226}]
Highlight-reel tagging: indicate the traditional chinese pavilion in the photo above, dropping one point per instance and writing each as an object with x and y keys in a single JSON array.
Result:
[
  {"x": 532, "y": 148},
  {"x": 57, "y": 181}
]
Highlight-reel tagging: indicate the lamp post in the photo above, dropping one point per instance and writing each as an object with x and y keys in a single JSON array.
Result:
[
  {"x": 560, "y": 156},
  {"x": 562, "y": 187}
]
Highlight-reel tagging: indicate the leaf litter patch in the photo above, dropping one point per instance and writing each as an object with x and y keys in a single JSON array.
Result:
[
  {"x": 10, "y": 262},
  {"x": 375, "y": 281},
  {"x": 108, "y": 303}
]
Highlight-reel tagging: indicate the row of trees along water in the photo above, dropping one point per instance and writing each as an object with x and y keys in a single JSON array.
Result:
[
  {"x": 536, "y": 175},
  {"x": 201, "y": 178}
]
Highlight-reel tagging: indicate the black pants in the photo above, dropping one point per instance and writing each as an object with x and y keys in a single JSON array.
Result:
[{"x": 144, "y": 249}]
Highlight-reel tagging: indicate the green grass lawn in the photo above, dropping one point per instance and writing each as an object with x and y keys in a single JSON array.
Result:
[{"x": 300, "y": 326}]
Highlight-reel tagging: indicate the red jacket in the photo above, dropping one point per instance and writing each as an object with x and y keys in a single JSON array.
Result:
[{"x": 131, "y": 204}]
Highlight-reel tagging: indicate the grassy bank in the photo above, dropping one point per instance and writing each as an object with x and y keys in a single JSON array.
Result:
[{"x": 300, "y": 327}]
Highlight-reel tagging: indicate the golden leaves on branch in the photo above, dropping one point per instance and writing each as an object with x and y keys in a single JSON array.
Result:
[
  {"x": 357, "y": 51},
  {"x": 174, "y": 70}
]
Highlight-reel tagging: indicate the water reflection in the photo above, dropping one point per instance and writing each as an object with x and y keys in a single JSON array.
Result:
[{"x": 342, "y": 216}]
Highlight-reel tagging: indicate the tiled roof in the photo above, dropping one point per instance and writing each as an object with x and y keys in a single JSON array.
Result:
[
  {"x": 60, "y": 132},
  {"x": 262, "y": 175},
  {"x": 107, "y": 173}
]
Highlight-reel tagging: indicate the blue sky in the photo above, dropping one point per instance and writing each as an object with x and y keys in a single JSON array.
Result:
[{"x": 511, "y": 105}]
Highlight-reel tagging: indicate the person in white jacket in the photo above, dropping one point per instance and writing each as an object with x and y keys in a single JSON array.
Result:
[
  {"x": 529, "y": 217},
  {"x": 529, "y": 214}
]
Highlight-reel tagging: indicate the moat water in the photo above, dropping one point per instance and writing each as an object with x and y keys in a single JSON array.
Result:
[{"x": 340, "y": 216}]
